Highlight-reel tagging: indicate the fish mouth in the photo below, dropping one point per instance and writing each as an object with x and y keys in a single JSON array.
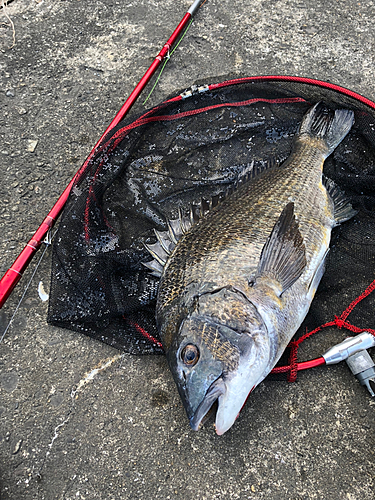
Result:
[
  {"x": 216, "y": 389},
  {"x": 225, "y": 400}
]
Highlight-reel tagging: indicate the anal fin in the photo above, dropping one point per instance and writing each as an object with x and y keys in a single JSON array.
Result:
[{"x": 343, "y": 209}]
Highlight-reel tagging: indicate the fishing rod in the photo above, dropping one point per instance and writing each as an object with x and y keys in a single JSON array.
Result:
[{"x": 14, "y": 273}]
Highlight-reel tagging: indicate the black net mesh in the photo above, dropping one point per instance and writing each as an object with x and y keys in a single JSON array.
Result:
[{"x": 174, "y": 155}]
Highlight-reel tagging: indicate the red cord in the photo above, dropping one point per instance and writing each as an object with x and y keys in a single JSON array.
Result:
[
  {"x": 339, "y": 322},
  {"x": 305, "y": 365},
  {"x": 143, "y": 332}
]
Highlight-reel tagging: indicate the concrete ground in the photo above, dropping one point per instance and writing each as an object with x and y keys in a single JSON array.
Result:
[{"x": 66, "y": 67}]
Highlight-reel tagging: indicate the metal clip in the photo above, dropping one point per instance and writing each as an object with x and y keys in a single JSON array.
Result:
[
  {"x": 186, "y": 94},
  {"x": 353, "y": 350},
  {"x": 48, "y": 238},
  {"x": 348, "y": 347},
  {"x": 194, "y": 89},
  {"x": 363, "y": 367},
  {"x": 203, "y": 88}
]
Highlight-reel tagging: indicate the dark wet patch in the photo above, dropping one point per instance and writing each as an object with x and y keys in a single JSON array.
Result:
[
  {"x": 57, "y": 399},
  {"x": 9, "y": 381},
  {"x": 159, "y": 398}
]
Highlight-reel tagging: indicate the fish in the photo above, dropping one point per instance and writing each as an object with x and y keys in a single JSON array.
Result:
[{"x": 238, "y": 275}]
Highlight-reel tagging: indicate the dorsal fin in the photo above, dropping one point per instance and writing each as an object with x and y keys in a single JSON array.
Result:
[
  {"x": 167, "y": 240},
  {"x": 251, "y": 171}
]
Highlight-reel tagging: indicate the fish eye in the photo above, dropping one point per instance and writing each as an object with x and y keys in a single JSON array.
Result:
[{"x": 190, "y": 354}]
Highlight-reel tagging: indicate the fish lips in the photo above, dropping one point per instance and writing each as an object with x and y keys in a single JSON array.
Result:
[
  {"x": 213, "y": 394},
  {"x": 230, "y": 402}
]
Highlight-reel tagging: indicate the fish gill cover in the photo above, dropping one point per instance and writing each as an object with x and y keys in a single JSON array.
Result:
[{"x": 171, "y": 158}]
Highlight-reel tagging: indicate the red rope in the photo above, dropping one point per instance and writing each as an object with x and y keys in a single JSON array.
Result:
[
  {"x": 339, "y": 322},
  {"x": 309, "y": 81},
  {"x": 292, "y": 375},
  {"x": 305, "y": 365}
]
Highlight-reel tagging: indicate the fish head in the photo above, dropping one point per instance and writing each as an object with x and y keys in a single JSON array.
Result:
[{"x": 219, "y": 355}]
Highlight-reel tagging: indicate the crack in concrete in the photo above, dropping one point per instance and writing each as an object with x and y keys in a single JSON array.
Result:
[
  {"x": 93, "y": 373},
  {"x": 74, "y": 395}
]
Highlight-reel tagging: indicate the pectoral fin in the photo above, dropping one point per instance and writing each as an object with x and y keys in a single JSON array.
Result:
[{"x": 283, "y": 256}]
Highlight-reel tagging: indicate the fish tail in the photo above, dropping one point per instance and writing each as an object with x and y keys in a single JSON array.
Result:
[{"x": 330, "y": 126}]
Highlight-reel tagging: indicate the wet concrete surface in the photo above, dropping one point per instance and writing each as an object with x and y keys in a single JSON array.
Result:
[{"x": 122, "y": 433}]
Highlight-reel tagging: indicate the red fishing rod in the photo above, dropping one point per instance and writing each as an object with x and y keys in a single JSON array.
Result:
[{"x": 14, "y": 273}]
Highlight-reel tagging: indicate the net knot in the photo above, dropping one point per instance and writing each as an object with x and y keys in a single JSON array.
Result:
[{"x": 339, "y": 322}]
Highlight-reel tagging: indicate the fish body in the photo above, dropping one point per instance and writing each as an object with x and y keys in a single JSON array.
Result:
[{"x": 236, "y": 285}]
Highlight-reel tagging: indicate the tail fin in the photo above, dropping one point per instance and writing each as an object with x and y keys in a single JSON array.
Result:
[{"x": 326, "y": 124}]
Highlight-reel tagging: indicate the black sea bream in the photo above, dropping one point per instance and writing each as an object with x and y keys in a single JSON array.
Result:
[{"x": 236, "y": 285}]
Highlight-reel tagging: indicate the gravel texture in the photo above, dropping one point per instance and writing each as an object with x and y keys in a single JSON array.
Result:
[{"x": 122, "y": 433}]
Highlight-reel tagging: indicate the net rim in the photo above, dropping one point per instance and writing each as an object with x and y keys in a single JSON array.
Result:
[{"x": 298, "y": 79}]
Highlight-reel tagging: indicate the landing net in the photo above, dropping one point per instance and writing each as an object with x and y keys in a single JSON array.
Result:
[{"x": 189, "y": 148}]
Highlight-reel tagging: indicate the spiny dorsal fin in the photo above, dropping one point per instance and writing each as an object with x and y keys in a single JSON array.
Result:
[
  {"x": 283, "y": 256},
  {"x": 204, "y": 207},
  {"x": 158, "y": 252},
  {"x": 164, "y": 240},
  {"x": 167, "y": 240},
  {"x": 155, "y": 267},
  {"x": 343, "y": 209}
]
